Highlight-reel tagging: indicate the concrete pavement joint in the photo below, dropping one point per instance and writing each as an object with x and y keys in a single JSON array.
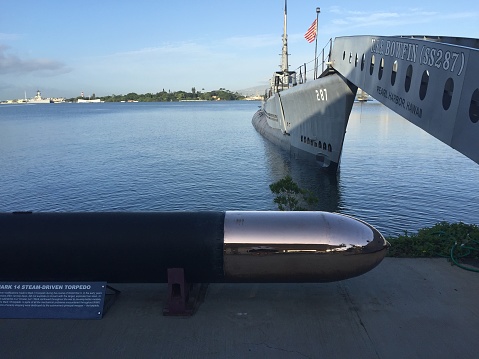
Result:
[{"x": 355, "y": 310}]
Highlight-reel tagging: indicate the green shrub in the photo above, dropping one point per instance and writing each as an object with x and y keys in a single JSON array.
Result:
[
  {"x": 290, "y": 197},
  {"x": 441, "y": 240}
]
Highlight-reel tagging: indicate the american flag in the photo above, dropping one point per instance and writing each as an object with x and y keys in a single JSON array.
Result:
[{"x": 311, "y": 33}]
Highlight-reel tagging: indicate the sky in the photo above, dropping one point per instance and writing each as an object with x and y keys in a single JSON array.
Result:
[{"x": 64, "y": 48}]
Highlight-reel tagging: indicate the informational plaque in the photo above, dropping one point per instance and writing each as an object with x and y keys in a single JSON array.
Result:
[{"x": 78, "y": 300}]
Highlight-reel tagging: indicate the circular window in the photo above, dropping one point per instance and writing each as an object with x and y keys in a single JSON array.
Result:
[
  {"x": 394, "y": 72},
  {"x": 381, "y": 69},
  {"x": 408, "y": 79},
  {"x": 474, "y": 107},
  {"x": 363, "y": 61},
  {"x": 447, "y": 94},
  {"x": 371, "y": 66},
  {"x": 424, "y": 84}
]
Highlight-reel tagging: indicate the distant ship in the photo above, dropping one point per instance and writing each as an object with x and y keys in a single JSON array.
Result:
[
  {"x": 306, "y": 118},
  {"x": 38, "y": 99},
  {"x": 96, "y": 100},
  {"x": 362, "y": 96}
]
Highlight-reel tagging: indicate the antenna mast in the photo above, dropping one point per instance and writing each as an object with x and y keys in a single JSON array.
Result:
[{"x": 284, "y": 53}]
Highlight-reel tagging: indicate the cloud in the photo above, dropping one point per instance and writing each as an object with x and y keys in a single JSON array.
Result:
[
  {"x": 367, "y": 19},
  {"x": 187, "y": 51},
  {"x": 194, "y": 58},
  {"x": 257, "y": 41},
  {"x": 8, "y": 37},
  {"x": 181, "y": 48},
  {"x": 374, "y": 19},
  {"x": 335, "y": 9},
  {"x": 13, "y": 64}
]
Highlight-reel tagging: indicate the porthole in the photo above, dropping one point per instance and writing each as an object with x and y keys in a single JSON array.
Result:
[
  {"x": 319, "y": 144},
  {"x": 330, "y": 148},
  {"x": 356, "y": 60},
  {"x": 350, "y": 57},
  {"x": 324, "y": 145},
  {"x": 408, "y": 79},
  {"x": 315, "y": 144},
  {"x": 394, "y": 72},
  {"x": 344, "y": 55},
  {"x": 308, "y": 141},
  {"x": 447, "y": 94},
  {"x": 371, "y": 66},
  {"x": 424, "y": 84},
  {"x": 381, "y": 68},
  {"x": 474, "y": 107},
  {"x": 363, "y": 61}
]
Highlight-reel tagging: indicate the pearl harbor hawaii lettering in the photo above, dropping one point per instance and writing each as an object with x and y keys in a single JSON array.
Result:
[{"x": 399, "y": 101}]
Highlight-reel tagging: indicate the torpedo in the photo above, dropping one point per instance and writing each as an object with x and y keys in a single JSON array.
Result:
[{"x": 211, "y": 247}]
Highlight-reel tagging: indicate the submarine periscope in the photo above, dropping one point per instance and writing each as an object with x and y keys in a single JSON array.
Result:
[{"x": 211, "y": 247}]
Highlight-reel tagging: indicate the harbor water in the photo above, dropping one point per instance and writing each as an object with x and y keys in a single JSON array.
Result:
[{"x": 196, "y": 156}]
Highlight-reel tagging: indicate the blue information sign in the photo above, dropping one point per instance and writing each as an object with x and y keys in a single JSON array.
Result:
[{"x": 71, "y": 300}]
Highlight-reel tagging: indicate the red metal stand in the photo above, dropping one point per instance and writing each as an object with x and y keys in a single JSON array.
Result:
[{"x": 183, "y": 298}]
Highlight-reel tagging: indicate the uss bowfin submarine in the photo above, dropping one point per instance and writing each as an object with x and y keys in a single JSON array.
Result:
[{"x": 431, "y": 81}]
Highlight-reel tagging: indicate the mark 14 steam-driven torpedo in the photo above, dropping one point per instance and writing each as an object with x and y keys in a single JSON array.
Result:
[{"x": 231, "y": 246}]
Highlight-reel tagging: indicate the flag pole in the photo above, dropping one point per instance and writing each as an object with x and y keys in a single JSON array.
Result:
[{"x": 318, "y": 10}]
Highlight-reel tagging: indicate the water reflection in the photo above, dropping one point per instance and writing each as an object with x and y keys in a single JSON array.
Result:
[{"x": 325, "y": 186}]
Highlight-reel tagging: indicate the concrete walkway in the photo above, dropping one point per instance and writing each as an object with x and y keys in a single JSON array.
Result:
[{"x": 404, "y": 308}]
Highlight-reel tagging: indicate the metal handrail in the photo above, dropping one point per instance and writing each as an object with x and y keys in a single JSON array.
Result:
[
  {"x": 302, "y": 71},
  {"x": 301, "y": 74}
]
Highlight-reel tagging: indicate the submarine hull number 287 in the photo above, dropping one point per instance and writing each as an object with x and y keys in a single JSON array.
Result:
[{"x": 322, "y": 95}]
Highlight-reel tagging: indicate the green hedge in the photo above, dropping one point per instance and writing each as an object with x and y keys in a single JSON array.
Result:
[{"x": 459, "y": 242}]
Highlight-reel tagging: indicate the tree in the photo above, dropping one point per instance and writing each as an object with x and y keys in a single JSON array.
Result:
[
  {"x": 132, "y": 96},
  {"x": 290, "y": 197},
  {"x": 180, "y": 95},
  {"x": 174, "y": 96}
]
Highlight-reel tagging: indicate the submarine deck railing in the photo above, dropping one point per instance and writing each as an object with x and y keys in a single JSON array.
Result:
[
  {"x": 308, "y": 70},
  {"x": 312, "y": 67}
]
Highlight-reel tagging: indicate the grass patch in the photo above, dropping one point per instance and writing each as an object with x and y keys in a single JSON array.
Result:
[{"x": 459, "y": 242}]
